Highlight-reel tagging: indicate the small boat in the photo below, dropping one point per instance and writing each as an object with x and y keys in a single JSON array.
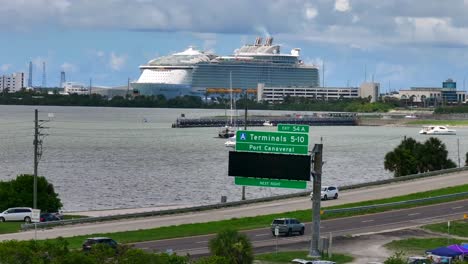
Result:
[
  {"x": 437, "y": 130},
  {"x": 226, "y": 132},
  {"x": 267, "y": 123},
  {"x": 231, "y": 142}
]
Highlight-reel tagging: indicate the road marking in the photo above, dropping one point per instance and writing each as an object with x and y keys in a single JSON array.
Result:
[
  {"x": 203, "y": 241},
  {"x": 263, "y": 235},
  {"x": 367, "y": 221},
  {"x": 457, "y": 207},
  {"x": 413, "y": 214}
]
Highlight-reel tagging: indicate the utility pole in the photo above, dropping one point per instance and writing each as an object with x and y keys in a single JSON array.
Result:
[
  {"x": 37, "y": 152},
  {"x": 317, "y": 185},
  {"x": 36, "y": 156}
]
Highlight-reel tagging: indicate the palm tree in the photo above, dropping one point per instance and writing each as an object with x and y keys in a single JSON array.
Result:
[{"x": 234, "y": 246}]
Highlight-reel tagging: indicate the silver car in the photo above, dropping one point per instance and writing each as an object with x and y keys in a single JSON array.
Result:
[
  {"x": 16, "y": 214},
  {"x": 287, "y": 226}
]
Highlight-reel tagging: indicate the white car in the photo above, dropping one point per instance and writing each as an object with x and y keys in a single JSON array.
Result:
[
  {"x": 327, "y": 192},
  {"x": 16, "y": 214}
]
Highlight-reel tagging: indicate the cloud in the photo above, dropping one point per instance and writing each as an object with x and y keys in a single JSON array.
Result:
[
  {"x": 364, "y": 23},
  {"x": 117, "y": 62},
  {"x": 311, "y": 12},
  {"x": 342, "y": 5},
  {"x": 5, "y": 67}
]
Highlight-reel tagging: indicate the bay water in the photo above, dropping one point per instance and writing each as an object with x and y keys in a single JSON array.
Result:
[{"x": 107, "y": 158}]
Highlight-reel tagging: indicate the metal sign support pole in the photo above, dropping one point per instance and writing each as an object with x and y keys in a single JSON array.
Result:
[{"x": 317, "y": 185}]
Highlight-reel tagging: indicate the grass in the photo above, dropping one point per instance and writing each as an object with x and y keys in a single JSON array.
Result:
[
  {"x": 439, "y": 122},
  {"x": 10, "y": 227},
  {"x": 247, "y": 223},
  {"x": 420, "y": 245},
  {"x": 457, "y": 228},
  {"x": 287, "y": 256},
  {"x": 13, "y": 227}
]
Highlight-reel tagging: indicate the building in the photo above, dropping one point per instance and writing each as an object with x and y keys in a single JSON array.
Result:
[
  {"x": 370, "y": 90},
  {"x": 447, "y": 94},
  {"x": 12, "y": 83},
  {"x": 75, "y": 88},
  {"x": 277, "y": 94}
]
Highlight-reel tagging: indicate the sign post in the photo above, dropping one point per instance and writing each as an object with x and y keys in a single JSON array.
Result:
[
  {"x": 276, "y": 237},
  {"x": 35, "y": 218}
]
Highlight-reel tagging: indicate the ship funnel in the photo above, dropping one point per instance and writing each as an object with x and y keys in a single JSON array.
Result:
[
  {"x": 258, "y": 41},
  {"x": 269, "y": 41}
]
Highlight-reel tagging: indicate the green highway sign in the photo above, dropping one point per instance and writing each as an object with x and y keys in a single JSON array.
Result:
[
  {"x": 293, "y": 128},
  {"x": 271, "y": 148},
  {"x": 270, "y": 183},
  {"x": 272, "y": 142}
]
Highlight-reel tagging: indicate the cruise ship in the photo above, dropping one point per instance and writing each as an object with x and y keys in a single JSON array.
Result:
[{"x": 195, "y": 72}]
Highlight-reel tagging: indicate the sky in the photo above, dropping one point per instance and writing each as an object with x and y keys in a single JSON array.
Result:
[{"x": 398, "y": 43}]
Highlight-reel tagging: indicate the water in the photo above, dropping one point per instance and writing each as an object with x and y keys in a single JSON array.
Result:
[{"x": 102, "y": 158}]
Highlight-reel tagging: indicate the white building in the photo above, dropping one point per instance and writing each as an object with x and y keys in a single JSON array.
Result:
[
  {"x": 370, "y": 90},
  {"x": 75, "y": 88},
  {"x": 12, "y": 83},
  {"x": 277, "y": 94}
]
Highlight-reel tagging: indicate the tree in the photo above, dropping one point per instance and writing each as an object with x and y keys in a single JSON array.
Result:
[
  {"x": 19, "y": 192},
  {"x": 234, "y": 246},
  {"x": 411, "y": 157},
  {"x": 403, "y": 159}
]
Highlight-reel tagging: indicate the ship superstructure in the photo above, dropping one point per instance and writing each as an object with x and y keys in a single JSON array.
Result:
[{"x": 194, "y": 72}]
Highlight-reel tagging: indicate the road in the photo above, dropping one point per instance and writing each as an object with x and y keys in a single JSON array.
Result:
[
  {"x": 279, "y": 206},
  {"x": 263, "y": 240}
]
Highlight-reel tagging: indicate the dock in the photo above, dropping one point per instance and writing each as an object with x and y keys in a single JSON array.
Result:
[{"x": 329, "y": 120}]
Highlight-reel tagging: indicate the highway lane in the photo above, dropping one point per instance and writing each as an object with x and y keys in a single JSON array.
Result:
[
  {"x": 278, "y": 206},
  {"x": 262, "y": 238}
]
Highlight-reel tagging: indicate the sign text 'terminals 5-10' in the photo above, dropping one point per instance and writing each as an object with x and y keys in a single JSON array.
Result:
[{"x": 272, "y": 142}]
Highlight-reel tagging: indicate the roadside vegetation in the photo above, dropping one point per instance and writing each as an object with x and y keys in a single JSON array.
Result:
[
  {"x": 418, "y": 246},
  {"x": 458, "y": 229},
  {"x": 247, "y": 223},
  {"x": 412, "y": 157},
  {"x": 287, "y": 256}
]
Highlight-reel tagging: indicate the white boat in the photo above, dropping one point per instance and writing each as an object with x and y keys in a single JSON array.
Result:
[
  {"x": 231, "y": 142},
  {"x": 437, "y": 130},
  {"x": 226, "y": 132},
  {"x": 267, "y": 123}
]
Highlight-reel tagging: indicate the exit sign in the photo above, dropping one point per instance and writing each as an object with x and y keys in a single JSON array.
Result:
[{"x": 293, "y": 128}]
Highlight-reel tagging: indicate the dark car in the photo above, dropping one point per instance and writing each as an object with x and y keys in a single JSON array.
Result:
[
  {"x": 93, "y": 241},
  {"x": 47, "y": 217}
]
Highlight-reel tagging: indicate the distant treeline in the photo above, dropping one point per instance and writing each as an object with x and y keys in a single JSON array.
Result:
[
  {"x": 451, "y": 109},
  {"x": 159, "y": 101}
]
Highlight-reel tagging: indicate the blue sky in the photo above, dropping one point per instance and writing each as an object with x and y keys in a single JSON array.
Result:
[{"x": 400, "y": 43}]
